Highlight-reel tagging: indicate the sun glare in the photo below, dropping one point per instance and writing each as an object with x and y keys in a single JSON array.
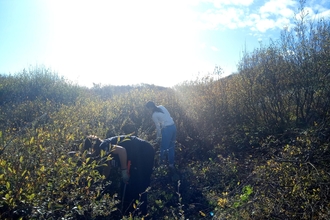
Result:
[{"x": 123, "y": 42}]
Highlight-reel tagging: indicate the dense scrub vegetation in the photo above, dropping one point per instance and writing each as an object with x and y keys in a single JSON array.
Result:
[{"x": 254, "y": 145}]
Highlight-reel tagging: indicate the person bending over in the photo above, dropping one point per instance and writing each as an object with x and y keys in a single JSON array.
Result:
[
  {"x": 136, "y": 159},
  {"x": 166, "y": 131}
]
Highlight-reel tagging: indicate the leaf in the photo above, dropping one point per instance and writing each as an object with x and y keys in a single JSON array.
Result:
[
  {"x": 31, "y": 197},
  {"x": 58, "y": 206},
  {"x": 32, "y": 140},
  {"x": 8, "y": 185},
  {"x": 23, "y": 173},
  {"x": 21, "y": 159},
  {"x": 102, "y": 153},
  {"x": 41, "y": 148},
  {"x": 42, "y": 169}
]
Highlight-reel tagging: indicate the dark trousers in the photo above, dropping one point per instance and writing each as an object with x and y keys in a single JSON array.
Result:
[{"x": 139, "y": 181}]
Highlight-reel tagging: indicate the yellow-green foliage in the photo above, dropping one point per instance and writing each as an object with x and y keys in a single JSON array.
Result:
[{"x": 40, "y": 180}]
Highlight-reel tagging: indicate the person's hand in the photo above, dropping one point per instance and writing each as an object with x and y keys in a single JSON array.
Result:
[{"x": 125, "y": 175}]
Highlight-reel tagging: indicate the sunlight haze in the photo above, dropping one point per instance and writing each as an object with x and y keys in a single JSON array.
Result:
[{"x": 132, "y": 42}]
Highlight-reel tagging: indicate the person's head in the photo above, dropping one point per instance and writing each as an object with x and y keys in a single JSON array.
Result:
[
  {"x": 92, "y": 143},
  {"x": 151, "y": 105}
]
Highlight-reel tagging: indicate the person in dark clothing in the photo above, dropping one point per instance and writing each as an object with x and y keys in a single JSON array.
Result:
[{"x": 136, "y": 159}]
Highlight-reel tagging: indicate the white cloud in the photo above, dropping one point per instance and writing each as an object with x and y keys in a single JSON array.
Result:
[
  {"x": 275, "y": 14},
  {"x": 325, "y": 14},
  {"x": 231, "y": 14},
  {"x": 278, "y": 8},
  {"x": 282, "y": 22},
  {"x": 264, "y": 24},
  {"x": 320, "y": 12}
]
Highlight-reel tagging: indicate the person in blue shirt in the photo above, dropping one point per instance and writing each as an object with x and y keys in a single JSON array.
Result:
[{"x": 136, "y": 159}]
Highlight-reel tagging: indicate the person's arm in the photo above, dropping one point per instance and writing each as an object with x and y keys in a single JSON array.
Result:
[
  {"x": 157, "y": 124},
  {"x": 122, "y": 154}
]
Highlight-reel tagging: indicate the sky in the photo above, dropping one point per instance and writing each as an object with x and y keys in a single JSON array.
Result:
[{"x": 129, "y": 42}]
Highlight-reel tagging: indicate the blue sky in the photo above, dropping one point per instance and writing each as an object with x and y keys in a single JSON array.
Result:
[{"x": 146, "y": 41}]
